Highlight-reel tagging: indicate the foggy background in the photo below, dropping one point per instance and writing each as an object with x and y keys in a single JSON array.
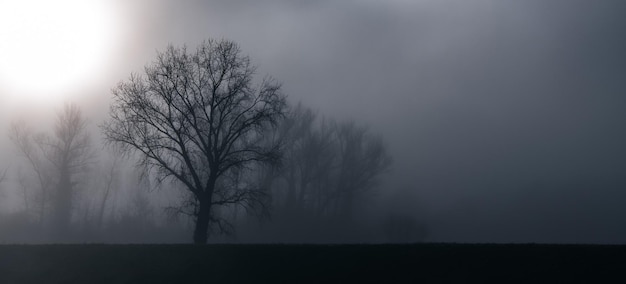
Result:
[{"x": 505, "y": 119}]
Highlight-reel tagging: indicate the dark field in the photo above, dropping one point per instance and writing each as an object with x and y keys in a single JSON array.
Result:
[{"x": 436, "y": 263}]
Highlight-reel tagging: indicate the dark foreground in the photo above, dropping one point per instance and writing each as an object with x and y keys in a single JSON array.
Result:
[{"x": 435, "y": 263}]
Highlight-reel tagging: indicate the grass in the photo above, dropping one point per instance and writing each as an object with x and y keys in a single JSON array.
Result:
[{"x": 434, "y": 263}]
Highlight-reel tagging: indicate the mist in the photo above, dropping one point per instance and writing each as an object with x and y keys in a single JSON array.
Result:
[{"x": 502, "y": 122}]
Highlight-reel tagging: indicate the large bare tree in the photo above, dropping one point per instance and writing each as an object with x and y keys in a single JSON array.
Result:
[{"x": 196, "y": 117}]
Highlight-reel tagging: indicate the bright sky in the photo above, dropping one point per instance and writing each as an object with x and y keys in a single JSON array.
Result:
[{"x": 50, "y": 48}]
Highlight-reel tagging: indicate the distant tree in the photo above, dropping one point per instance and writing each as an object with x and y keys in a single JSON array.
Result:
[
  {"x": 70, "y": 151},
  {"x": 309, "y": 160},
  {"x": 25, "y": 191},
  {"x": 56, "y": 159},
  {"x": 96, "y": 201},
  {"x": 31, "y": 147},
  {"x": 296, "y": 131},
  {"x": 326, "y": 165},
  {"x": 196, "y": 117},
  {"x": 110, "y": 182},
  {"x": 362, "y": 158}
]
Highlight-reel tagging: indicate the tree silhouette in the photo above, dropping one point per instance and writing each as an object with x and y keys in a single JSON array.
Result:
[
  {"x": 328, "y": 169},
  {"x": 196, "y": 118}
]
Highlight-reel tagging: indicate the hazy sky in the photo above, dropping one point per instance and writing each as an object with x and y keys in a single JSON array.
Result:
[{"x": 505, "y": 118}]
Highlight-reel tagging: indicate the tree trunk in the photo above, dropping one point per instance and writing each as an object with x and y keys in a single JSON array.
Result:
[
  {"x": 201, "y": 231},
  {"x": 102, "y": 206},
  {"x": 63, "y": 205}
]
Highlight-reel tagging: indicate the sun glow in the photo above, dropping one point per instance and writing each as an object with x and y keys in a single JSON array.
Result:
[{"x": 50, "y": 47}]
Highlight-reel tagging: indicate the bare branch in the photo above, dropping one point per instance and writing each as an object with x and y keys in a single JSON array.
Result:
[{"x": 193, "y": 117}]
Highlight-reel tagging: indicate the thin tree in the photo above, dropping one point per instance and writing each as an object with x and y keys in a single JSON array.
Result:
[
  {"x": 195, "y": 117},
  {"x": 69, "y": 151},
  {"x": 110, "y": 182},
  {"x": 362, "y": 158},
  {"x": 326, "y": 167},
  {"x": 32, "y": 148},
  {"x": 56, "y": 159}
]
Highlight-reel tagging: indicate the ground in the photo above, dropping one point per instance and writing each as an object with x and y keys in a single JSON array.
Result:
[{"x": 435, "y": 263}]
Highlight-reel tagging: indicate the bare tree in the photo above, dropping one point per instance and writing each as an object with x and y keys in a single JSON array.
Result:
[
  {"x": 56, "y": 159},
  {"x": 328, "y": 173},
  {"x": 362, "y": 158},
  {"x": 308, "y": 159},
  {"x": 32, "y": 148},
  {"x": 326, "y": 165},
  {"x": 69, "y": 151},
  {"x": 296, "y": 137},
  {"x": 195, "y": 117}
]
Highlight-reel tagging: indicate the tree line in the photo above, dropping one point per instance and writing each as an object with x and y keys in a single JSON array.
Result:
[{"x": 198, "y": 122}]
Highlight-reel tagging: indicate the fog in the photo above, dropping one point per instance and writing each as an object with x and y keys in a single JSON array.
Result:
[{"x": 503, "y": 119}]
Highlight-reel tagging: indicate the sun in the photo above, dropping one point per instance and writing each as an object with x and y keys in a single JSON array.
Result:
[{"x": 49, "y": 47}]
